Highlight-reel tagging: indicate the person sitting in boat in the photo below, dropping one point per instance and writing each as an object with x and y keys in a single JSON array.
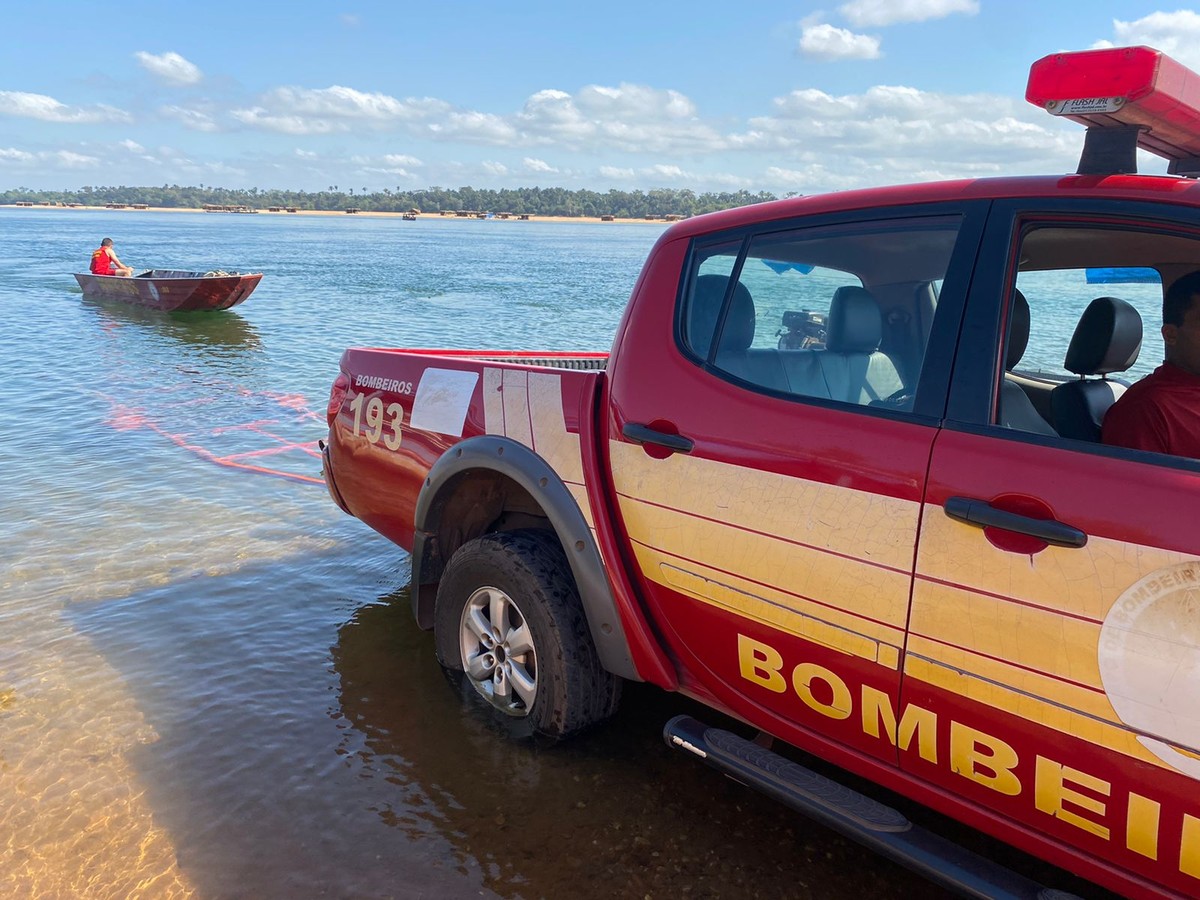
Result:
[{"x": 105, "y": 261}]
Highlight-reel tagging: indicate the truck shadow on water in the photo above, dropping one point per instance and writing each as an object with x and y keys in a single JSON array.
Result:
[
  {"x": 613, "y": 812},
  {"x": 306, "y": 744}
]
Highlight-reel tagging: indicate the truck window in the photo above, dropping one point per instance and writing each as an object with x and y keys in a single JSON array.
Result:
[
  {"x": 1084, "y": 323},
  {"x": 838, "y": 313}
]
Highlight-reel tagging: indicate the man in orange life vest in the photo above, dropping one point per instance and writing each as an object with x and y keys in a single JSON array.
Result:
[{"x": 105, "y": 261}]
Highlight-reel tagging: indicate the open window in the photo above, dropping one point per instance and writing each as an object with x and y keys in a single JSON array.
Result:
[{"x": 1083, "y": 321}]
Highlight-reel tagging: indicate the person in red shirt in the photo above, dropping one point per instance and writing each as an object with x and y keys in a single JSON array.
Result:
[
  {"x": 105, "y": 261},
  {"x": 1162, "y": 411}
]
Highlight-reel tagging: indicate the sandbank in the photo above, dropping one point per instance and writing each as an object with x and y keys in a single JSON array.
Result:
[{"x": 361, "y": 214}]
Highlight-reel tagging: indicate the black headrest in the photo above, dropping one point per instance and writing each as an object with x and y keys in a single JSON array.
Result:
[
  {"x": 706, "y": 308},
  {"x": 1107, "y": 338},
  {"x": 855, "y": 324},
  {"x": 1018, "y": 330}
]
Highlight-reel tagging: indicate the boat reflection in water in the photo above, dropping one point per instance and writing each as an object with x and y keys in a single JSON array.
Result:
[
  {"x": 609, "y": 813},
  {"x": 223, "y": 330}
]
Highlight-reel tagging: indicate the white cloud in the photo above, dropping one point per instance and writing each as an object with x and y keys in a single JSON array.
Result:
[
  {"x": 12, "y": 154},
  {"x": 132, "y": 146},
  {"x": 71, "y": 160},
  {"x": 494, "y": 168},
  {"x": 875, "y": 13},
  {"x": 294, "y": 110},
  {"x": 169, "y": 67},
  {"x": 827, "y": 42},
  {"x": 401, "y": 159},
  {"x": 629, "y": 118},
  {"x": 48, "y": 159},
  {"x": 47, "y": 109},
  {"x": 615, "y": 173},
  {"x": 891, "y": 134},
  {"x": 194, "y": 119},
  {"x": 305, "y": 154},
  {"x": 257, "y": 117},
  {"x": 1177, "y": 34},
  {"x": 538, "y": 165}
]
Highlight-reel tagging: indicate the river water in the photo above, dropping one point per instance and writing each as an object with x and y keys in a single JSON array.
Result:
[{"x": 210, "y": 682}]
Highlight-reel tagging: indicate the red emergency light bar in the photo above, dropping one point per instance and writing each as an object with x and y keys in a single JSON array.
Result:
[{"x": 1128, "y": 97}]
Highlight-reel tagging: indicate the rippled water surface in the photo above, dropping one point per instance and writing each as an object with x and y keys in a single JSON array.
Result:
[{"x": 210, "y": 683}]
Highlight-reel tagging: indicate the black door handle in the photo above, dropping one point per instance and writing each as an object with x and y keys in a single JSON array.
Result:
[
  {"x": 982, "y": 514},
  {"x": 643, "y": 434}
]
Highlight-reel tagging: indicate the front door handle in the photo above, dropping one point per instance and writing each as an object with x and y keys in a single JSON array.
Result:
[
  {"x": 644, "y": 434},
  {"x": 982, "y": 514}
]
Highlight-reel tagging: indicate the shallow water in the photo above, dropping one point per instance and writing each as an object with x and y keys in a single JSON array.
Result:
[{"x": 210, "y": 682}]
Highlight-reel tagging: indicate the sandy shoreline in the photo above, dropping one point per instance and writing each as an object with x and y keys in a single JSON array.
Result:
[{"x": 362, "y": 214}]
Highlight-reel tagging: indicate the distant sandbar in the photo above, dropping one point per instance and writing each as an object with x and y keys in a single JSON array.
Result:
[{"x": 361, "y": 213}]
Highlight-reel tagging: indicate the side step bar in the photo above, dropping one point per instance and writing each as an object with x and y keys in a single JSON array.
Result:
[{"x": 881, "y": 828}]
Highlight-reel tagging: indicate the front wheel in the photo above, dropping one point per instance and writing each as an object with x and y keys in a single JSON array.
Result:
[{"x": 509, "y": 616}]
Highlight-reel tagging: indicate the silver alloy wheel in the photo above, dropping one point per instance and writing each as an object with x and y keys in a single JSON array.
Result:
[{"x": 497, "y": 651}]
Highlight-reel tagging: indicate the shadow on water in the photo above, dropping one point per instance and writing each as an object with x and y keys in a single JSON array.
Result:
[
  {"x": 311, "y": 745},
  {"x": 613, "y": 812},
  {"x": 223, "y": 331}
]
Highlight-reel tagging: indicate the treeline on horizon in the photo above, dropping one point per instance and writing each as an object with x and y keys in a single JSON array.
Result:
[{"x": 535, "y": 201}]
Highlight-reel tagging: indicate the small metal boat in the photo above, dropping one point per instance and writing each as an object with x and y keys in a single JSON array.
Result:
[{"x": 173, "y": 290}]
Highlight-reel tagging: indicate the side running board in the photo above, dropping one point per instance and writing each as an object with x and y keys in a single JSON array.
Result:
[{"x": 877, "y": 826}]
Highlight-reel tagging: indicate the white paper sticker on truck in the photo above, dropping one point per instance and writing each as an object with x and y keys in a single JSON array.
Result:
[{"x": 443, "y": 397}]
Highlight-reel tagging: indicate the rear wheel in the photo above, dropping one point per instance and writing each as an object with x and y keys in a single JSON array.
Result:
[{"x": 508, "y": 615}]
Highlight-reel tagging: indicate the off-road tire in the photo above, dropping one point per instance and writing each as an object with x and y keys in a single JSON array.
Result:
[{"x": 573, "y": 690}]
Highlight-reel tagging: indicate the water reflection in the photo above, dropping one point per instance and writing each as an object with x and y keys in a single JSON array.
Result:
[
  {"x": 611, "y": 813},
  {"x": 225, "y": 331}
]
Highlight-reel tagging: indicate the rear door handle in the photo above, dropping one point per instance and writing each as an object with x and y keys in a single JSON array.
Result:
[
  {"x": 643, "y": 434},
  {"x": 982, "y": 514}
]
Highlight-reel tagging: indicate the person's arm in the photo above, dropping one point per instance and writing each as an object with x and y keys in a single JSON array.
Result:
[{"x": 112, "y": 254}]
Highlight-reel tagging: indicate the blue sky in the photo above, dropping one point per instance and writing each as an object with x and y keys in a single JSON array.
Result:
[{"x": 703, "y": 95}]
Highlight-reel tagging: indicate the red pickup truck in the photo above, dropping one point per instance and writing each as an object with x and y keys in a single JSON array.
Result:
[{"x": 814, "y": 486}]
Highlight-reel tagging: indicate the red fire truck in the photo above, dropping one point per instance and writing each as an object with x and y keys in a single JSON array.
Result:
[{"x": 898, "y": 543}]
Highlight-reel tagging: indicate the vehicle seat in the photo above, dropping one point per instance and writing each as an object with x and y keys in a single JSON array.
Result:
[
  {"x": 1016, "y": 409},
  {"x": 734, "y": 353},
  {"x": 854, "y": 368},
  {"x": 1106, "y": 340}
]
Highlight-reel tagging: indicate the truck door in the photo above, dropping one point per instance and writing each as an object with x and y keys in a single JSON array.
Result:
[
  {"x": 775, "y": 394},
  {"x": 1054, "y": 640}
]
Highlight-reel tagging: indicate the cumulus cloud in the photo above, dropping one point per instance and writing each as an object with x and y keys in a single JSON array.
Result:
[
  {"x": 827, "y": 42},
  {"x": 12, "y": 154},
  {"x": 47, "y": 109},
  {"x": 48, "y": 159},
  {"x": 71, "y": 160},
  {"x": 169, "y": 67},
  {"x": 194, "y": 119},
  {"x": 875, "y": 13},
  {"x": 631, "y": 118},
  {"x": 670, "y": 174},
  {"x": 538, "y": 165},
  {"x": 1175, "y": 33},
  {"x": 294, "y": 110},
  {"x": 896, "y": 133}
]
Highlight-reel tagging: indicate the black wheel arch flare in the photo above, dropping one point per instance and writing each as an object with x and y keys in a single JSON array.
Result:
[{"x": 504, "y": 459}]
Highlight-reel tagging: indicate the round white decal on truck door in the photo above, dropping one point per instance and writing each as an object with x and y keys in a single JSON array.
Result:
[{"x": 1150, "y": 662}]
